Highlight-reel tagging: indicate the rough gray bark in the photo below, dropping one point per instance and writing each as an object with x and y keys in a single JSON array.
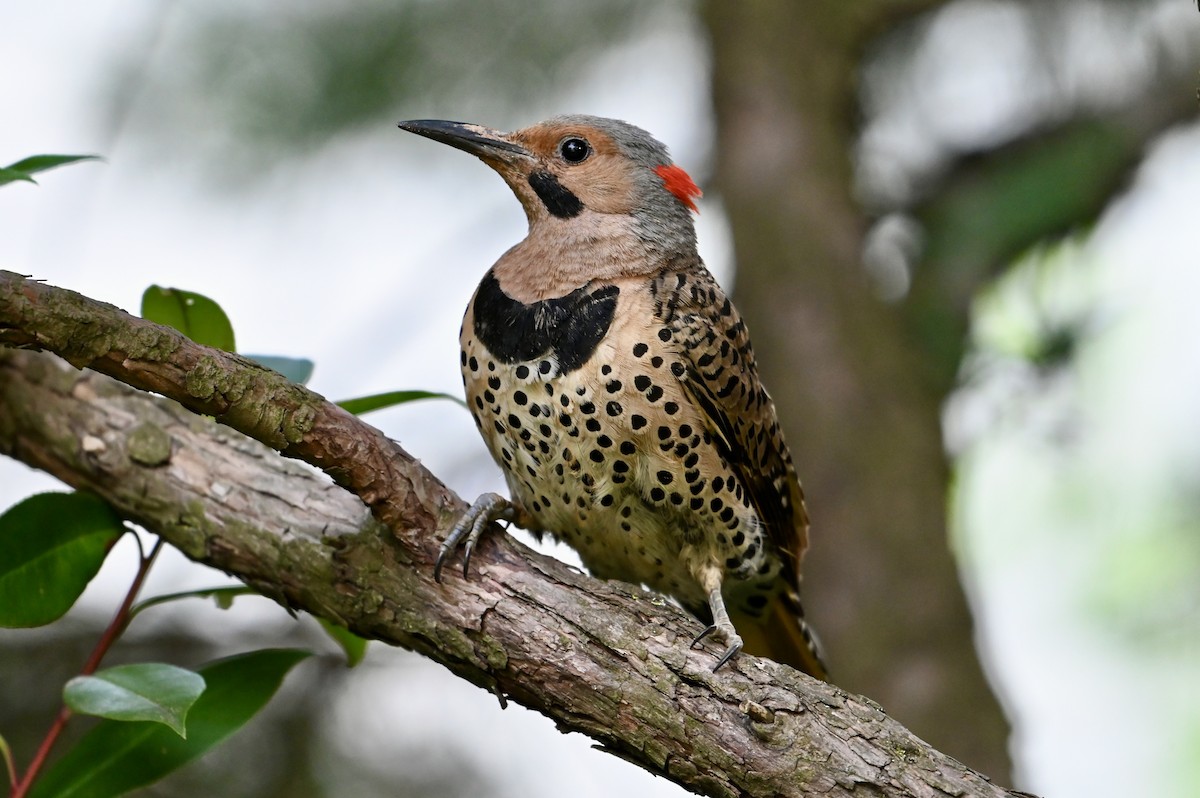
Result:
[{"x": 603, "y": 658}]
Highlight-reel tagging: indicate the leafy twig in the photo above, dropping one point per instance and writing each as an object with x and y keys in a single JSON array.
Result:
[
  {"x": 223, "y": 595},
  {"x": 118, "y": 624}
]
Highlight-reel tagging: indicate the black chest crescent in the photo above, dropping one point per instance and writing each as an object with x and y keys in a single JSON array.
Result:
[{"x": 568, "y": 328}]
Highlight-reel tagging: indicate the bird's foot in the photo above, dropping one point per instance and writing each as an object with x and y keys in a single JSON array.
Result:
[
  {"x": 487, "y": 508},
  {"x": 725, "y": 633},
  {"x": 721, "y": 628}
]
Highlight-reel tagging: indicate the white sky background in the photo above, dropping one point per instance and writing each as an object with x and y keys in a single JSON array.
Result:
[{"x": 363, "y": 257}]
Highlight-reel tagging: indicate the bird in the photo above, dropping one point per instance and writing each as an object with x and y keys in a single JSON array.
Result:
[{"x": 614, "y": 383}]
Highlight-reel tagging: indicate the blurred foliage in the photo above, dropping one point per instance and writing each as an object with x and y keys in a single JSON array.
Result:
[
  {"x": 1041, "y": 309},
  {"x": 1027, "y": 328},
  {"x": 1144, "y": 588},
  {"x": 999, "y": 203},
  {"x": 1003, "y": 199},
  {"x": 1065, "y": 370},
  {"x": 1031, "y": 328},
  {"x": 292, "y": 80},
  {"x": 1057, "y": 145}
]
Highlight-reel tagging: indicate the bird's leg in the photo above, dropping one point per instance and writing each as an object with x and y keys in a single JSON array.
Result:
[
  {"x": 721, "y": 627},
  {"x": 487, "y": 508}
]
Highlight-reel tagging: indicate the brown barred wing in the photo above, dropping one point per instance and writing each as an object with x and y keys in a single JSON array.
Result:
[{"x": 721, "y": 378}]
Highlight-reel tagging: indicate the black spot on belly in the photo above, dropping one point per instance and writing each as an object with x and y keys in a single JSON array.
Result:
[
  {"x": 557, "y": 198},
  {"x": 568, "y": 328}
]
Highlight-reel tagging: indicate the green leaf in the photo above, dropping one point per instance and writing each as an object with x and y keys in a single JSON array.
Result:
[
  {"x": 116, "y": 757},
  {"x": 52, "y": 544},
  {"x": 365, "y": 404},
  {"x": 146, "y": 691},
  {"x": 194, "y": 315},
  {"x": 8, "y": 175},
  {"x": 222, "y": 596},
  {"x": 22, "y": 169},
  {"x": 354, "y": 646},
  {"x": 297, "y": 369},
  {"x": 40, "y": 163}
]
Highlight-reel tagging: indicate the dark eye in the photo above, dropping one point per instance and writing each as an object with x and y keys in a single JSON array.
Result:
[{"x": 574, "y": 150}]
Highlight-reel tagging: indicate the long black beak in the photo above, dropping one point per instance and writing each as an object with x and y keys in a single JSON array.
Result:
[{"x": 475, "y": 139}]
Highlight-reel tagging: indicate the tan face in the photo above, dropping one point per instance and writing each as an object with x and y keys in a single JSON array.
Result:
[{"x": 581, "y": 159}]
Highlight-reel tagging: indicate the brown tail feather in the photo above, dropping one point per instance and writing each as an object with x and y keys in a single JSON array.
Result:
[{"x": 783, "y": 635}]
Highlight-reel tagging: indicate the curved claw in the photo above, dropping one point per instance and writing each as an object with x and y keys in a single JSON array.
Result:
[
  {"x": 707, "y": 631},
  {"x": 735, "y": 643},
  {"x": 472, "y": 539},
  {"x": 721, "y": 628},
  {"x": 729, "y": 654},
  {"x": 487, "y": 508}
]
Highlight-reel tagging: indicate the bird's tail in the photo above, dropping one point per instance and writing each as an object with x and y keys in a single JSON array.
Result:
[{"x": 782, "y": 634}]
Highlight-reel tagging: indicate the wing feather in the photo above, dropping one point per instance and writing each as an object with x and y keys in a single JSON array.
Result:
[{"x": 721, "y": 378}]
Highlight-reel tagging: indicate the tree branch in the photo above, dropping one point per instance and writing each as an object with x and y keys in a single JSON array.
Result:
[{"x": 603, "y": 658}]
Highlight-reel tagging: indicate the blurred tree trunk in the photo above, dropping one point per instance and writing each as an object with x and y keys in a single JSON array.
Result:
[{"x": 861, "y": 416}]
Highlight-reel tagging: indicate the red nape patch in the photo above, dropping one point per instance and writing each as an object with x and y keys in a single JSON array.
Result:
[{"x": 680, "y": 184}]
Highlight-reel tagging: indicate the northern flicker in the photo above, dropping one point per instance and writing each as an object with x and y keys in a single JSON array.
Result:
[{"x": 614, "y": 383}]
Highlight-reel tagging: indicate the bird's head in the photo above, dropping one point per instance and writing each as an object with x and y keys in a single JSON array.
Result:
[{"x": 585, "y": 171}]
